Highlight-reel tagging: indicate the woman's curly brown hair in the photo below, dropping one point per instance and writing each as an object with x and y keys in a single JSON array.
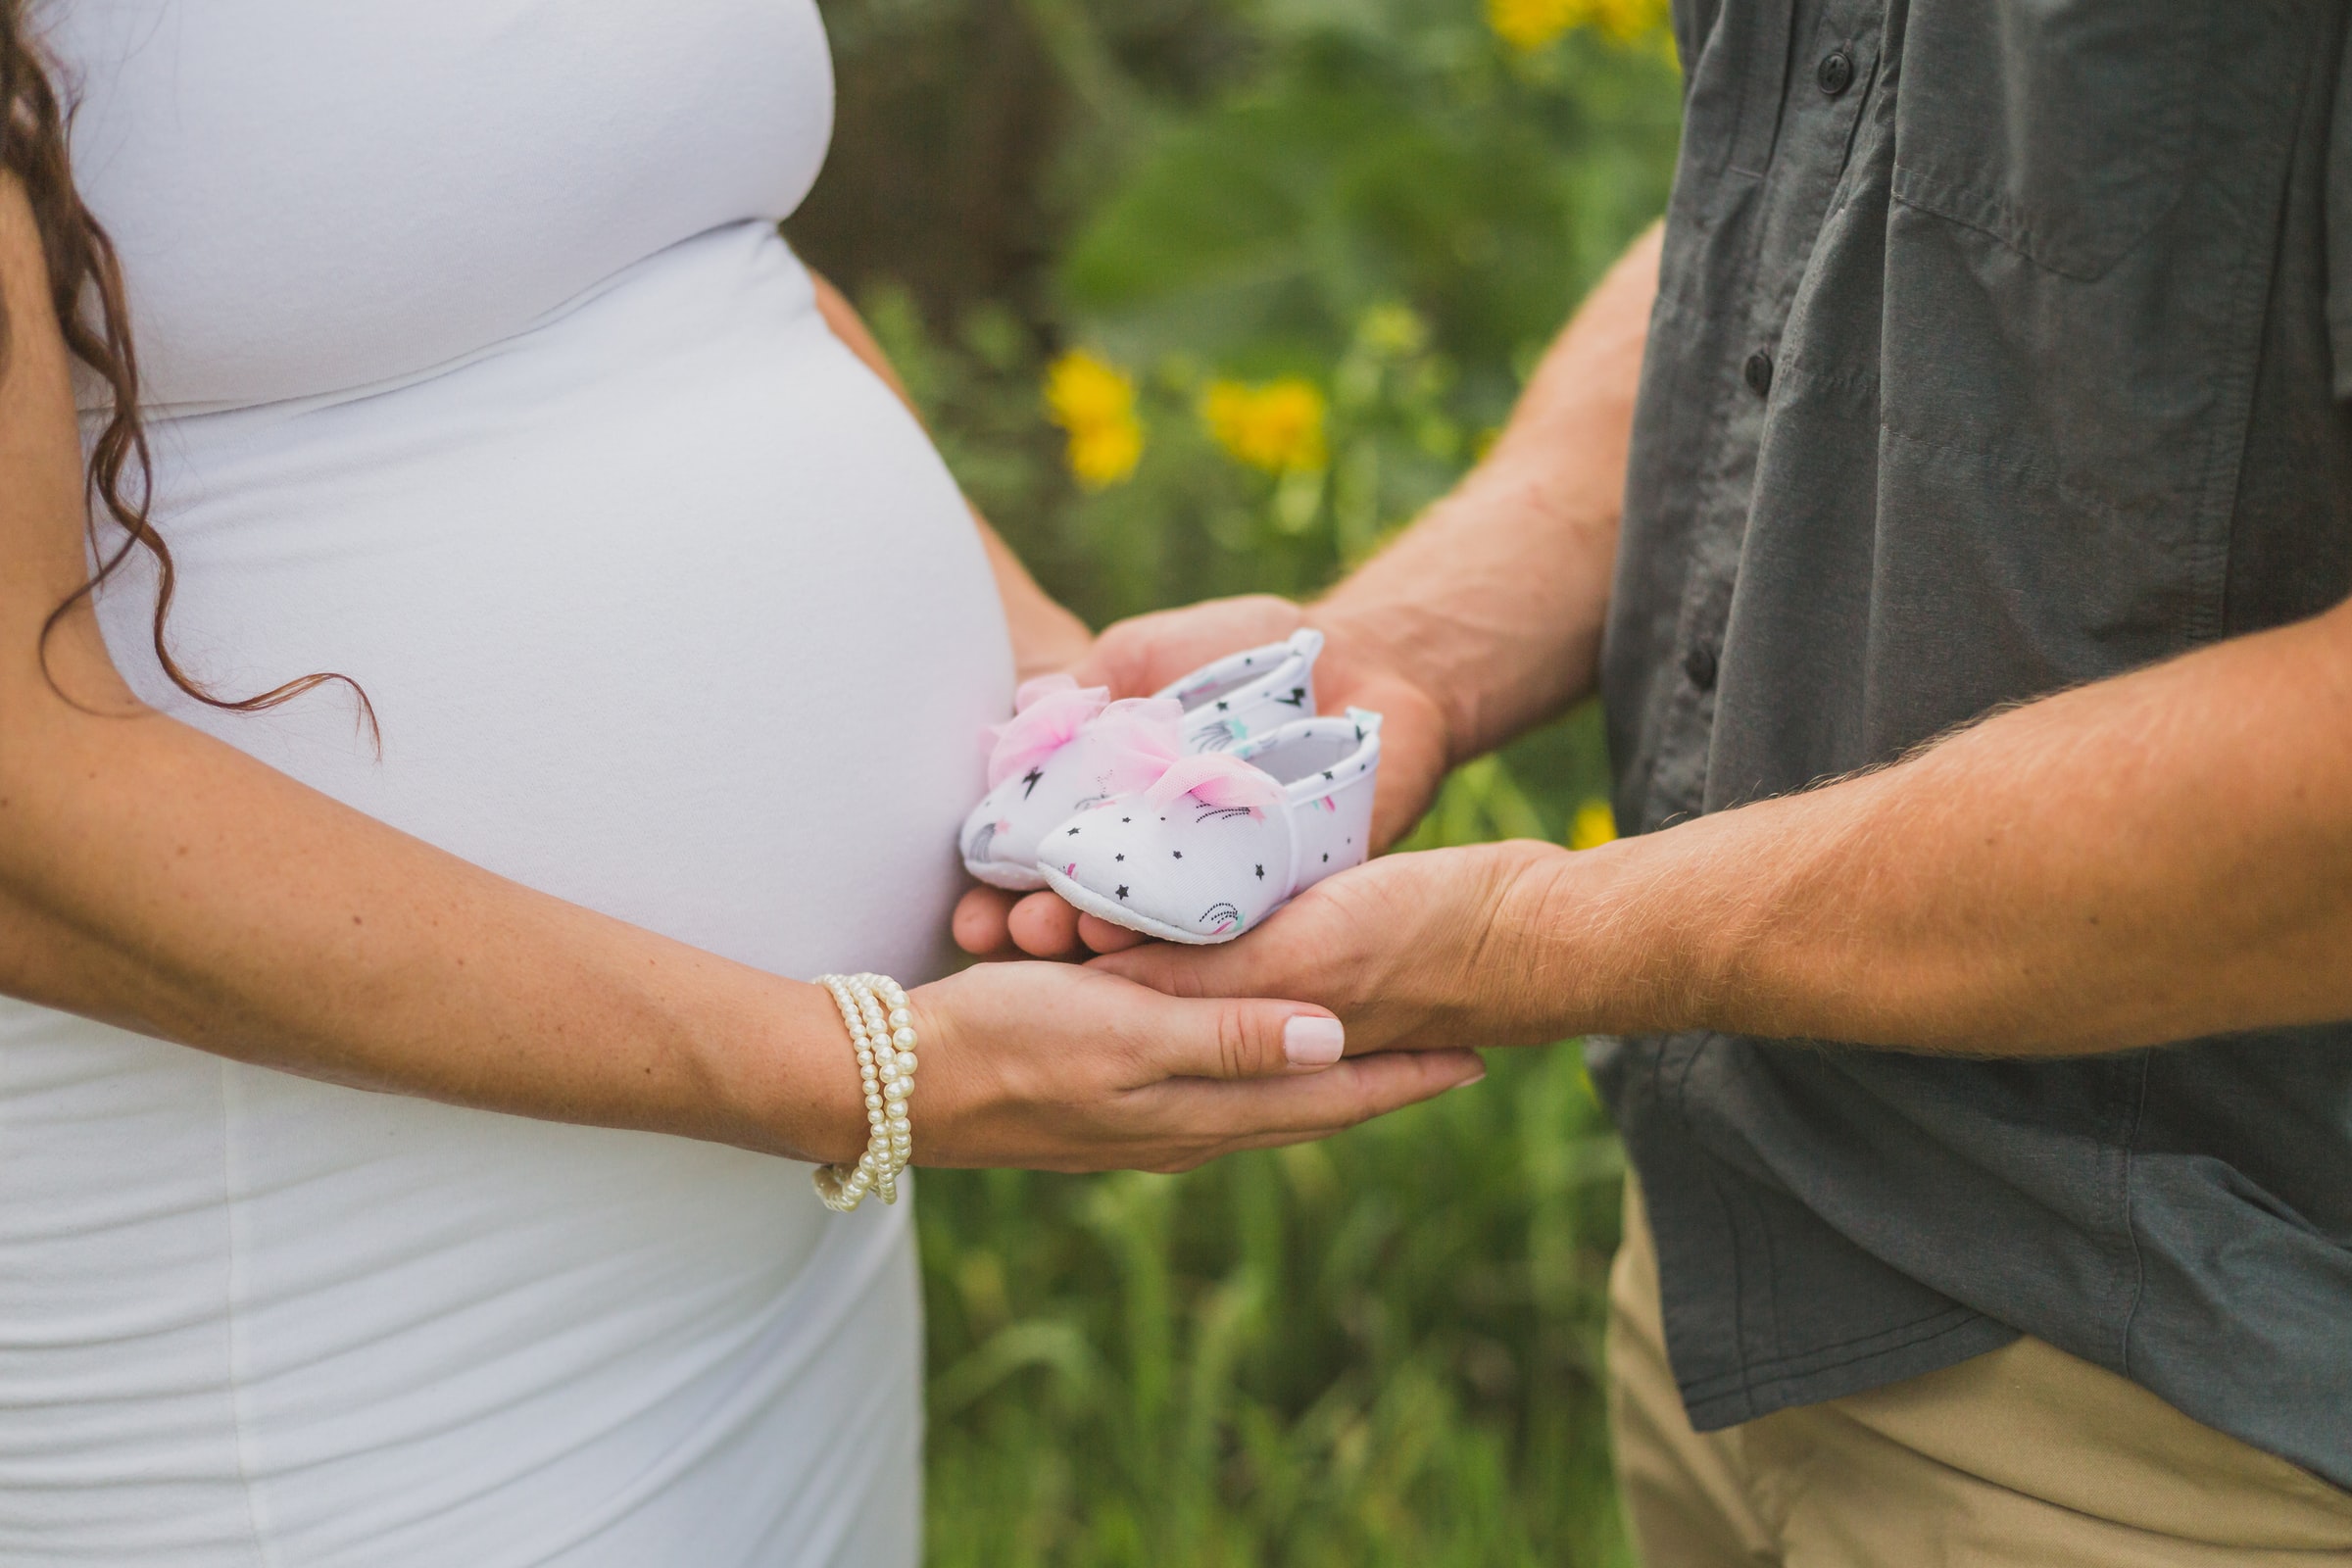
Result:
[{"x": 85, "y": 281}]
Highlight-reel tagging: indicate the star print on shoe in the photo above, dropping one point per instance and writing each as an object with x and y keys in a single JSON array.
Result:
[
  {"x": 1252, "y": 692},
  {"x": 1067, "y": 746},
  {"x": 1234, "y": 835}
]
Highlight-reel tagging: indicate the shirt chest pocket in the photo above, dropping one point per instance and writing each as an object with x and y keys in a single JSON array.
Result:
[{"x": 2060, "y": 128}]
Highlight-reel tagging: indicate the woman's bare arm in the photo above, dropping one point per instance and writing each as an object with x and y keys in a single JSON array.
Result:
[
  {"x": 155, "y": 878},
  {"x": 159, "y": 880}
]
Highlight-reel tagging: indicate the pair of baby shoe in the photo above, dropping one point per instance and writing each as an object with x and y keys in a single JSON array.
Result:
[{"x": 1191, "y": 815}]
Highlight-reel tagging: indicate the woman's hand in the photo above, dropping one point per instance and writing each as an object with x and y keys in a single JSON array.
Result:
[
  {"x": 1432, "y": 951},
  {"x": 1139, "y": 657},
  {"x": 1051, "y": 1066}
]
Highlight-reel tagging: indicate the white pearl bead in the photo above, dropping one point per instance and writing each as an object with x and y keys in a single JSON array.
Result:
[{"x": 874, "y": 1012}]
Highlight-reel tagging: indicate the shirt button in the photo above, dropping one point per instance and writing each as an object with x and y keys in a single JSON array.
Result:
[
  {"x": 1836, "y": 73},
  {"x": 1758, "y": 373},
  {"x": 1699, "y": 665}
]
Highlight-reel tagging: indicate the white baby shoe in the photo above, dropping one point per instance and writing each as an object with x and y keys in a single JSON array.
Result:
[
  {"x": 1223, "y": 839},
  {"x": 1252, "y": 692},
  {"x": 1068, "y": 747}
]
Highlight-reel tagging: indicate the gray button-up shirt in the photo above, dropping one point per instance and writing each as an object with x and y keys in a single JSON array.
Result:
[{"x": 1991, "y": 355}]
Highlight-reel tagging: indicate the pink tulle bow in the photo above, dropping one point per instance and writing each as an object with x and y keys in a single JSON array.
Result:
[
  {"x": 1047, "y": 712},
  {"x": 1135, "y": 741},
  {"x": 1217, "y": 779}
]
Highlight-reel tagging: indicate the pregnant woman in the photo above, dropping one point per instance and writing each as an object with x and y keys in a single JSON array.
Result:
[{"x": 402, "y": 1150}]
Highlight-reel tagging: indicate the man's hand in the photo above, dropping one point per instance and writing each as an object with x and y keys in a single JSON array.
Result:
[
  {"x": 1139, "y": 657},
  {"x": 1482, "y": 619},
  {"x": 1411, "y": 951},
  {"x": 2157, "y": 856}
]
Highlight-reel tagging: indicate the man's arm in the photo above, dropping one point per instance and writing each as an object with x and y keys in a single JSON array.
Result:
[
  {"x": 1480, "y": 620},
  {"x": 2163, "y": 855},
  {"x": 1492, "y": 601}
]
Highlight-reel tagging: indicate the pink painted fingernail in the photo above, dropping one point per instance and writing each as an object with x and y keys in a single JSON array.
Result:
[{"x": 1312, "y": 1041}]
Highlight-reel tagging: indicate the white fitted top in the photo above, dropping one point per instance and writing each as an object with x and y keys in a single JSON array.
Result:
[{"x": 482, "y": 375}]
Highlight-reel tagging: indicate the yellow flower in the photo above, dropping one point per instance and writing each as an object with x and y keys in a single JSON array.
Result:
[
  {"x": 1528, "y": 24},
  {"x": 1095, "y": 402},
  {"x": 1100, "y": 455},
  {"x": 1277, "y": 426},
  {"x": 1593, "y": 825},
  {"x": 1083, "y": 391}
]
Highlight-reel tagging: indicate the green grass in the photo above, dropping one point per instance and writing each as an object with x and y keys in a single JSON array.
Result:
[{"x": 1379, "y": 1350}]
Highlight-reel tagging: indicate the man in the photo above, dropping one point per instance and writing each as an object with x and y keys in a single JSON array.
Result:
[{"x": 1980, "y": 689}]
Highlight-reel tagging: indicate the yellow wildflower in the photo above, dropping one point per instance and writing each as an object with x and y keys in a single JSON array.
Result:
[
  {"x": 1593, "y": 825},
  {"x": 1528, "y": 24},
  {"x": 1084, "y": 391},
  {"x": 1095, "y": 402},
  {"x": 1277, "y": 426},
  {"x": 1101, "y": 455}
]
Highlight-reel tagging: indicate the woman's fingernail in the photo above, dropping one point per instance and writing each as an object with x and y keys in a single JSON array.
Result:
[{"x": 1312, "y": 1041}]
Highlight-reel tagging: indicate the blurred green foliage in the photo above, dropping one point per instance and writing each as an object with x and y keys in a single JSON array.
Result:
[{"x": 1382, "y": 1350}]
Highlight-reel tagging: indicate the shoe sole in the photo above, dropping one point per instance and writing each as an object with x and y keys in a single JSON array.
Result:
[
  {"x": 1001, "y": 875},
  {"x": 1088, "y": 902}
]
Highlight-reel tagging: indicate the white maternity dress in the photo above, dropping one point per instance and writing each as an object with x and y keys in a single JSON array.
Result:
[{"x": 481, "y": 374}]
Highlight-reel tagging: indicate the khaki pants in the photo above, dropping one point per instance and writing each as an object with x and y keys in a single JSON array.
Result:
[{"x": 2023, "y": 1456}]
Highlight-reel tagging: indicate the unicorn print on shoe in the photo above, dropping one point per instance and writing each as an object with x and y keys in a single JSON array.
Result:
[{"x": 1223, "y": 839}]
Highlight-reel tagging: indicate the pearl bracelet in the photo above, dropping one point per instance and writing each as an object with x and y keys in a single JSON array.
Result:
[{"x": 873, "y": 1006}]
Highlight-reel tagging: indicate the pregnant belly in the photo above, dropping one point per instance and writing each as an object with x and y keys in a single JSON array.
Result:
[{"x": 667, "y": 609}]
